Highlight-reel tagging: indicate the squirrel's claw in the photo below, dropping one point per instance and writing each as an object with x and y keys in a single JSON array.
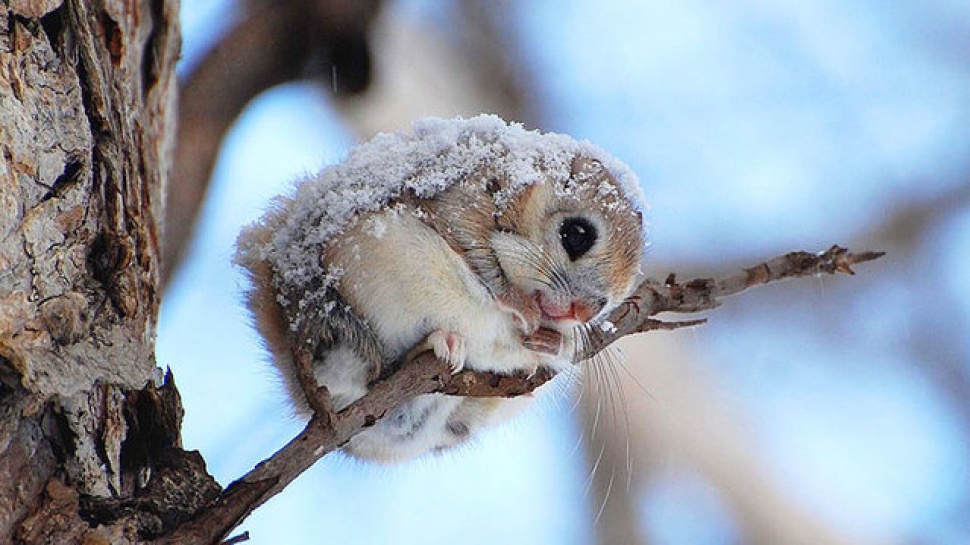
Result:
[{"x": 449, "y": 347}]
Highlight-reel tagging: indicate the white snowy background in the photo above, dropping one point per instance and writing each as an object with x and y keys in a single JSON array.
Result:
[{"x": 756, "y": 127}]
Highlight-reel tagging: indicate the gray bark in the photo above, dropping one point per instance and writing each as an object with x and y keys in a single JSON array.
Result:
[{"x": 87, "y": 93}]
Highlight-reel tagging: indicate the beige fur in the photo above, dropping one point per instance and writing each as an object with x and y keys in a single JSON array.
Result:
[{"x": 467, "y": 268}]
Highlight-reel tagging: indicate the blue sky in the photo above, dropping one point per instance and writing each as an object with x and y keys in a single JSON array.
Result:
[{"x": 756, "y": 127}]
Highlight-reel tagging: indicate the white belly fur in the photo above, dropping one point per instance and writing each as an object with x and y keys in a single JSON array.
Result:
[{"x": 405, "y": 280}]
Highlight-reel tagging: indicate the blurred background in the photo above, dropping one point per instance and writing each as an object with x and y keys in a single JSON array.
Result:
[{"x": 827, "y": 410}]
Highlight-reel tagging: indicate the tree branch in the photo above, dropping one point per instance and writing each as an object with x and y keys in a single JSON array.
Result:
[
  {"x": 653, "y": 297},
  {"x": 328, "y": 431}
]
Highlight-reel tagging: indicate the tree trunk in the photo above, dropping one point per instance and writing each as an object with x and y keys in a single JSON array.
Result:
[{"x": 87, "y": 96}]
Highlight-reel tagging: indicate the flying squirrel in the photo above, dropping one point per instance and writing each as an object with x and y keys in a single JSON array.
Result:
[{"x": 493, "y": 245}]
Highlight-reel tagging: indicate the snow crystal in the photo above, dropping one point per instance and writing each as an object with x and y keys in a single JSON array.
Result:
[
  {"x": 436, "y": 154},
  {"x": 608, "y": 326},
  {"x": 376, "y": 228}
]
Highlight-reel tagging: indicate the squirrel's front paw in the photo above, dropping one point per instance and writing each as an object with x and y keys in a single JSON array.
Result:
[
  {"x": 544, "y": 341},
  {"x": 525, "y": 310},
  {"x": 449, "y": 347}
]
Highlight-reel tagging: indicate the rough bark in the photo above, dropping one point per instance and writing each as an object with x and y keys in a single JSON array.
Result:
[{"x": 86, "y": 104}]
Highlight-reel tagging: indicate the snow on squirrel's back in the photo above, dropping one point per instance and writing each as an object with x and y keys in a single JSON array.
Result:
[{"x": 436, "y": 154}]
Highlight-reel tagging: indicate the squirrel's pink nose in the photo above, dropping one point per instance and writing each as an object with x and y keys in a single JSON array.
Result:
[
  {"x": 581, "y": 311},
  {"x": 578, "y": 310}
]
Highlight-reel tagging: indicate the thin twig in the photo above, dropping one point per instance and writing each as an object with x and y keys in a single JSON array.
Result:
[
  {"x": 651, "y": 324},
  {"x": 237, "y": 539},
  {"x": 653, "y": 297},
  {"x": 424, "y": 374},
  {"x": 317, "y": 396}
]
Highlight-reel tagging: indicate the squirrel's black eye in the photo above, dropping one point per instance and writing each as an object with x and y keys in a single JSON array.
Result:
[{"x": 578, "y": 236}]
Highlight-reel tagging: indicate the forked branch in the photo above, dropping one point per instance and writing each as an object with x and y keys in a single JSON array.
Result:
[{"x": 699, "y": 294}]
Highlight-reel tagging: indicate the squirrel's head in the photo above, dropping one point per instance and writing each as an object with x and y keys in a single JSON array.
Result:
[{"x": 574, "y": 245}]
